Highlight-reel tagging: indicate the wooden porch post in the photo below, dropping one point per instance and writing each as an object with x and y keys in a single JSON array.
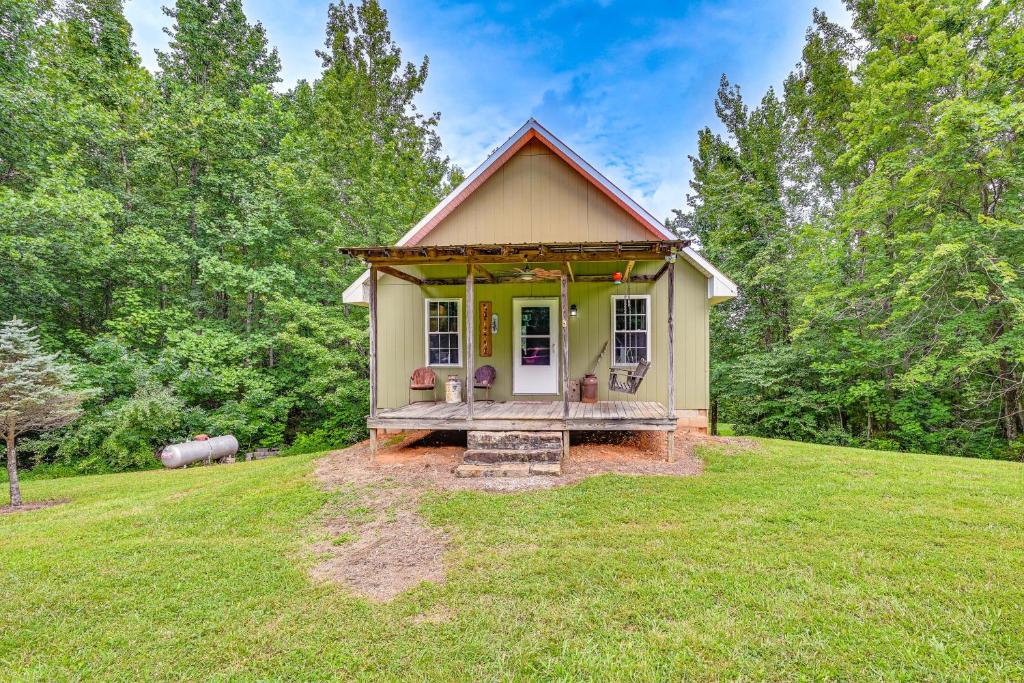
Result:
[
  {"x": 671, "y": 339},
  {"x": 671, "y": 408},
  {"x": 565, "y": 346},
  {"x": 470, "y": 338},
  {"x": 373, "y": 359}
]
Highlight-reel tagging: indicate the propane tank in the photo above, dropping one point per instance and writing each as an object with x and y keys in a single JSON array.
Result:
[{"x": 181, "y": 454}]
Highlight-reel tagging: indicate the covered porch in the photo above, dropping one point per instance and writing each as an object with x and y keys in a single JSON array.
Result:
[
  {"x": 565, "y": 266},
  {"x": 527, "y": 416}
]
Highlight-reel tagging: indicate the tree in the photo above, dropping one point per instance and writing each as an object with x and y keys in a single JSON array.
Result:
[
  {"x": 34, "y": 392},
  {"x": 360, "y": 124},
  {"x": 872, "y": 222},
  {"x": 174, "y": 235}
]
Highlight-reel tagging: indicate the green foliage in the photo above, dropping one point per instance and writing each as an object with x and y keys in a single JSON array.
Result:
[
  {"x": 176, "y": 235},
  {"x": 872, "y": 221},
  {"x": 787, "y": 562}
]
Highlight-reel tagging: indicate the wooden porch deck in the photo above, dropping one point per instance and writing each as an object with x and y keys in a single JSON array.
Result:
[{"x": 527, "y": 416}]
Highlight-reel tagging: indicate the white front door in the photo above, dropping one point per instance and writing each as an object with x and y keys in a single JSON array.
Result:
[{"x": 535, "y": 346}]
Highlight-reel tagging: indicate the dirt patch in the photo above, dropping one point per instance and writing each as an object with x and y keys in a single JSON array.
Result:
[
  {"x": 28, "y": 507},
  {"x": 380, "y": 547},
  {"x": 384, "y": 557}
]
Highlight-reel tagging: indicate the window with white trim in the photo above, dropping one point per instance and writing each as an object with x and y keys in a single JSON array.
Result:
[
  {"x": 631, "y": 329},
  {"x": 444, "y": 332}
]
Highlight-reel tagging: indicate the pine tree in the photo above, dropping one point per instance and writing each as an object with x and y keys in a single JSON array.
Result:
[{"x": 34, "y": 392}]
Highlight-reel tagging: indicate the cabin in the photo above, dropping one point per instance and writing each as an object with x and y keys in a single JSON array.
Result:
[{"x": 537, "y": 299}]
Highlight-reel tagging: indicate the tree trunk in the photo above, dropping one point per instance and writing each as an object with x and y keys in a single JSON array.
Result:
[
  {"x": 714, "y": 418},
  {"x": 12, "y": 470},
  {"x": 250, "y": 298},
  {"x": 193, "y": 228},
  {"x": 1010, "y": 400}
]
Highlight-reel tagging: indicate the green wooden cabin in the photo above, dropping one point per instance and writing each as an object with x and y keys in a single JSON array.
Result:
[{"x": 482, "y": 278}]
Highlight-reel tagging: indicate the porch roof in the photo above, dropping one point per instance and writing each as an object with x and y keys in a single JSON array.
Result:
[{"x": 541, "y": 252}]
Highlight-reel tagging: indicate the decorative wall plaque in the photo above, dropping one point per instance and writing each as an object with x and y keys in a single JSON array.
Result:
[{"x": 486, "y": 345}]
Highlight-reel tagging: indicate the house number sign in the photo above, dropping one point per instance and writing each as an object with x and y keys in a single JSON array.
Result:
[{"x": 486, "y": 337}]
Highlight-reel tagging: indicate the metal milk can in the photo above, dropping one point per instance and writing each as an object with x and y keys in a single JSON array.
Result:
[{"x": 453, "y": 389}]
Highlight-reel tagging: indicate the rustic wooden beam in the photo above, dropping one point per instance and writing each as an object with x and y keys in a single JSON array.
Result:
[
  {"x": 568, "y": 268},
  {"x": 470, "y": 316},
  {"x": 525, "y": 425},
  {"x": 629, "y": 270},
  {"x": 412, "y": 259},
  {"x": 517, "y": 253},
  {"x": 484, "y": 274},
  {"x": 373, "y": 342},
  {"x": 395, "y": 272},
  {"x": 608, "y": 278},
  {"x": 564, "y": 281},
  {"x": 671, "y": 408},
  {"x": 506, "y": 280},
  {"x": 656, "y": 276}
]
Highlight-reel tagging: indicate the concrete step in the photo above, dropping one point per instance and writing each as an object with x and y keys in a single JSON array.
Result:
[
  {"x": 508, "y": 469},
  {"x": 489, "y": 456},
  {"x": 514, "y": 441}
]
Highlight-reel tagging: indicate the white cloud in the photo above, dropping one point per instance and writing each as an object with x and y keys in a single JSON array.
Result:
[{"x": 630, "y": 98}]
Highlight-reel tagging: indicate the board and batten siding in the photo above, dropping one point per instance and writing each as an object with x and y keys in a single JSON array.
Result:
[
  {"x": 402, "y": 338},
  {"x": 536, "y": 197}
]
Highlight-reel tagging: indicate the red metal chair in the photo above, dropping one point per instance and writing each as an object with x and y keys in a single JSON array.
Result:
[
  {"x": 423, "y": 379},
  {"x": 484, "y": 378}
]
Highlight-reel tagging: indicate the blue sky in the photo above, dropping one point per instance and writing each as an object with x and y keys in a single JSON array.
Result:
[{"x": 626, "y": 83}]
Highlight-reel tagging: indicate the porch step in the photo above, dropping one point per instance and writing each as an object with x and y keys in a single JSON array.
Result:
[
  {"x": 492, "y": 456},
  {"x": 514, "y": 441},
  {"x": 508, "y": 469},
  {"x": 511, "y": 454}
]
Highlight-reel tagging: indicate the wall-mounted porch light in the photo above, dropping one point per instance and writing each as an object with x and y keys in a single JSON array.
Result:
[{"x": 573, "y": 311}]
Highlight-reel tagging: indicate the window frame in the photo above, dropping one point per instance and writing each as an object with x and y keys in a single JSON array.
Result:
[
  {"x": 647, "y": 327},
  {"x": 427, "y": 332}
]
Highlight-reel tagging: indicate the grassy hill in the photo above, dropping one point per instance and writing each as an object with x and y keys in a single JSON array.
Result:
[{"x": 791, "y": 561}]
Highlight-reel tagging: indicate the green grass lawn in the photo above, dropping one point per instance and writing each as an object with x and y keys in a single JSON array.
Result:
[{"x": 794, "y": 561}]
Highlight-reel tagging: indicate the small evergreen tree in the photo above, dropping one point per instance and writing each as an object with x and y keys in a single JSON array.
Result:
[{"x": 34, "y": 394}]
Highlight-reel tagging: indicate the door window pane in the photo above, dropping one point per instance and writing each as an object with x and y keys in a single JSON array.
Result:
[
  {"x": 536, "y": 320},
  {"x": 535, "y": 351}
]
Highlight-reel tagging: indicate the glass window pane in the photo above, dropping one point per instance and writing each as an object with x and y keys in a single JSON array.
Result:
[
  {"x": 536, "y": 320},
  {"x": 631, "y": 324},
  {"x": 536, "y": 351},
  {"x": 443, "y": 332},
  {"x": 620, "y": 350}
]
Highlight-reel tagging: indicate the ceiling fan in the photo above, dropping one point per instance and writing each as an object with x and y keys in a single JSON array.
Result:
[{"x": 533, "y": 274}]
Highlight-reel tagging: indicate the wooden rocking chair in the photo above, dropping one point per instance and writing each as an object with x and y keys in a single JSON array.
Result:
[{"x": 628, "y": 381}]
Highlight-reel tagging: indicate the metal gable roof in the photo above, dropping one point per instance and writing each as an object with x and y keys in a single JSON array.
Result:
[{"x": 720, "y": 287}]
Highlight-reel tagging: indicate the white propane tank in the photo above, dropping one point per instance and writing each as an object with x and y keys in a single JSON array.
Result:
[{"x": 181, "y": 454}]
